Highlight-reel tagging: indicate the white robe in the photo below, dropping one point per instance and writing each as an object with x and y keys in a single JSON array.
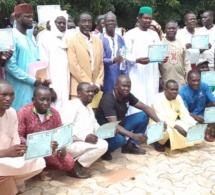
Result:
[
  {"x": 144, "y": 78},
  {"x": 54, "y": 51},
  {"x": 84, "y": 123}
]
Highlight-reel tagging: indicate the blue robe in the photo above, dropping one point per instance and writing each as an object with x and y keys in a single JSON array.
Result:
[
  {"x": 17, "y": 72},
  {"x": 111, "y": 70}
]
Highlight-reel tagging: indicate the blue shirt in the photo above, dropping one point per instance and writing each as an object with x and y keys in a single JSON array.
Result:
[
  {"x": 17, "y": 71},
  {"x": 196, "y": 100}
]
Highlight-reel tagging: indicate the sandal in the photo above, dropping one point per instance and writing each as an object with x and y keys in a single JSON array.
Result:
[{"x": 159, "y": 147}]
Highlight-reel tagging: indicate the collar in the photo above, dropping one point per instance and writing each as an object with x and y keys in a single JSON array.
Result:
[
  {"x": 85, "y": 37},
  {"x": 107, "y": 36},
  {"x": 115, "y": 96},
  {"x": 48, "y": 113}
]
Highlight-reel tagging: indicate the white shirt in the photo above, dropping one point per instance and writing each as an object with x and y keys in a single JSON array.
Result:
[
  {"x": 113, "y": 42},
  {"x": 209, "y": 54},
  {"x": 90, "y": 46},
  {"x": 185, "y": 37}
]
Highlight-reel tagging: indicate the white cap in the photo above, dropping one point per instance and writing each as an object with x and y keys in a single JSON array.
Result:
[{"x": 201, "y": 61}]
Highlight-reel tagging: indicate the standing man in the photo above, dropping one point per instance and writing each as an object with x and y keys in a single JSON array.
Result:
[
  {"x": 99, "y": 22},
  {"x": 209, "y": 28},
  {"x": 113, "y": 45},
  {"x": 144, "y": 75},
  {"x": 178, "y": 64},
  {"x": 53, "y": 50},
  {"x": 85, "y": 54},
  {"x": 185, "y": 36},
  {"x": 25, "y": 52},
  {"x": 113, "y": 107}
]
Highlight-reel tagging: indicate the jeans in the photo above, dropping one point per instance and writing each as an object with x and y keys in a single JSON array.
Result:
[{"x": 136, "y": 123}]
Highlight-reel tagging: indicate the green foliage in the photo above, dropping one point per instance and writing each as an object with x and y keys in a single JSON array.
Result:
[{"x": 126, "y": 10}]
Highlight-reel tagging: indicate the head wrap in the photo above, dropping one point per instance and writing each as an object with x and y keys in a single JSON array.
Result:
[
  {"x": 145, "y": 10},
  {"x": 54, "y": 28},
  {"x": 23, "y": 8}
]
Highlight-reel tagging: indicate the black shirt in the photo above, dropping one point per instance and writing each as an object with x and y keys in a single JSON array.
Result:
[{"x": 110, "y": 106}]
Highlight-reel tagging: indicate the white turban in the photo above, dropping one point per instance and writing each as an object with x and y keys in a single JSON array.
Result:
[{"x": 54, "y": 28}]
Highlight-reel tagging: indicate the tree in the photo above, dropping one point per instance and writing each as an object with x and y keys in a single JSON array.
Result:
[{"x": 126, "y": 10}]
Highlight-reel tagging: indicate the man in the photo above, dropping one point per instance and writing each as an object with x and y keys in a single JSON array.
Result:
[
  {"x": 209, "y": 28},
  {"x": 196, "y": 95},
  {"x": 85, "y": 53},
  {"x": 99, "y": 22},
  {"x": 25, "y": 52},
  {"x": 113, "y": 107},
  {"x": 39, "y": 116},
  {"x": 14, "y": 169},
  {"x": 12, "y": 19},
  {"x": 185, "y": 34},
  {"x": 86, "y": 147},
  {"x": 70, "y": 23},
  {"x": 169, "y": 107},
  {"x": 53, "y": 50},
  {"x": 113, "y": 45},
  {"x": 178, "y": 64},
  {"x": 144, "y": 75}
]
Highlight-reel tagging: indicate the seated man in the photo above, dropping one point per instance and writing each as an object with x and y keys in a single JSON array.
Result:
[
  {"x": 196, "y": 96},
  {"x": 86, "y": 147},
  {"x": 113, "y": 107},
  {"x": 169, "y": 107},
  {"x": 14, "y": 169},
  {"x": 39, "y": 116}
]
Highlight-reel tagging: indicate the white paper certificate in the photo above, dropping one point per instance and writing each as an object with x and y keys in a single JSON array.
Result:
[
  {"x": 209, "y": 115},
  {"x": 38, "y": 145},
  {"x": 44, "y": 11},
  {"x": 155, "y": 132},
  {"x": 200, "y": 41},
  {"x": 157, "y": 53},
  {"x": 63, "y": 135},
  {"x": 6, "y": 39},
  {"x": 208, "y": 77},
  {"x": 196, "y": 133},
  {"x": 107, "y": 130}
]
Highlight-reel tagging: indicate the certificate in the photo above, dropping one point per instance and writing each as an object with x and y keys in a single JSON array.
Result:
[
  {"x": 63, "y": 135},
  {"x": 38, "y": 145},
  {"x": 196, "y": 133},
  {"x": 38, "y": 70},
  {"x": 157, "y": 53},
  {"x": 208, "y": 77},
  {"x": 209, "y": 115},
  {"x": 107, "y": 130},
  {"x": 200, "y": 41},
  {"x": 155, "y": 132},
  {"x": 46, "y": 10},
  {"x": 6, "y": 40}
]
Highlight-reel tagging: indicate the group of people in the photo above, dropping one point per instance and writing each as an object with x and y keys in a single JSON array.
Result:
[{"x": 84, "y": 64}]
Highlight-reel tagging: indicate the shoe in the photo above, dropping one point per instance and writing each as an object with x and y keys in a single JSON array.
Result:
[
  {"x": 45, "y": 176},
  {"x": 209, "y": 137},
  {"x": 159, "y": 147},
  {"x": 78, "y": 174},
  {"x": 130, "y": 148},
  {"x": 107, "y": 156}
]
